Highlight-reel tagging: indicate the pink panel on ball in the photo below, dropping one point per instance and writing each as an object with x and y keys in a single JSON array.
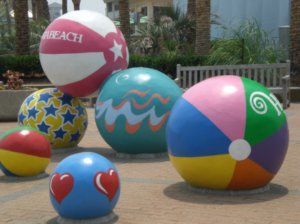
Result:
[
  {"x": 222, "y": 100},
  {"x": 66, "y": 36}
]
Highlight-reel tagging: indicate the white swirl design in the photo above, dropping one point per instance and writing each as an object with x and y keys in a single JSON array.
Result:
[{"x": 259, "y": 105}]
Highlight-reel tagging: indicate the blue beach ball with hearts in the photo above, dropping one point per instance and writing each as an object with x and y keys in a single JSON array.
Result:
[{"x": 84, "y": 186}]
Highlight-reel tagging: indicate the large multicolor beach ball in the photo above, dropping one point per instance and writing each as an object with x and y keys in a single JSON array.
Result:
[
  {"x": 84, "y": 186},
  {"x": 227, "y": 132},
  {"x": 61, "y": 117},
  {"x": 24, "y": 152},
  {"x": 132, "y": 109},
  {"x": 80, "y": 49}
]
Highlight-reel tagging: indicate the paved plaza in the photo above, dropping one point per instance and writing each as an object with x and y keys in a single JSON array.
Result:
[{"x": 153, "y": 192}]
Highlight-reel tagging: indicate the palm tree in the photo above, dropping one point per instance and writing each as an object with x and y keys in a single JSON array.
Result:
[
  {"x": 76, "y": 4},
  {"x": 294, "y": 36},
  {"x": 22, "y": 27},
  {"x": 64, "y": 6},
  {"x": 191, "y": 8},
  {"x": 202, "y": 42},
  {"x": 124, "y": 19},
  {"x": 40, "y": 10},
  {"x": 34, "y": 8}
]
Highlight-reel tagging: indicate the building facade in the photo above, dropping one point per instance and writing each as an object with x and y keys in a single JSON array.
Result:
[
  {"x": 271, "y": 14},
  {"x": 55, "y": 10},
  {"x": 138, "y": 8}
]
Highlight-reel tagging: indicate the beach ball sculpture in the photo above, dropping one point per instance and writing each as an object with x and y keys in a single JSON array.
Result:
[
  {"x": 80, "y": 49},
  {"x": 62, "y": 118},
  {"x": 24, "y": 152},
  {"x": 229, "y": 133},
  {"x": 132, "y": 109},
  {"x": 84, "y": 186}
]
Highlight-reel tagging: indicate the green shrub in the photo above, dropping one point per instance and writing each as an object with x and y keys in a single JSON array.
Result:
[
  {"x": 166, "y": 62},
  {"x": 27, "y": 64}
]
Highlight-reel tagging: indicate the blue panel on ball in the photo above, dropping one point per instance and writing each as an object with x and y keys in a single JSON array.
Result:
[
  {"x": 194, "y": 134},
  {"x": 84, "y": 185}
]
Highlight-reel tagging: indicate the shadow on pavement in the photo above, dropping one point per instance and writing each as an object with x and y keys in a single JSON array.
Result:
[
  {"x": 181, "y": 191},
  {"x": 108, "y": 153},
  {"x": 54, "y": 221}
]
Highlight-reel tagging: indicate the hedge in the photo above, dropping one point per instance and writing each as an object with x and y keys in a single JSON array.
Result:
[
  {"x": 27, "y": 64},
  {"x": 166, "y": 63}
]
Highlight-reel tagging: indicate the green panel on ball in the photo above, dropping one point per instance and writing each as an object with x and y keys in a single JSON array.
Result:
[{"x": 265, "y": 115}]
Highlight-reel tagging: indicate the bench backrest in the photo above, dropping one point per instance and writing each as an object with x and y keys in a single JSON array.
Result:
[{"x": 269, "y": 75}]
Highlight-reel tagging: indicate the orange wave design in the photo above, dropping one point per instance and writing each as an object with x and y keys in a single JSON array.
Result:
[
  {"x": 120, "y": 105},
  {"x": 110, "y": 127},
  {"x": 157, "y": 127},
  {"x": 131, "y": 129},
  {"x": 142, "y": 106},
  {"x": 137, "y": 92}
]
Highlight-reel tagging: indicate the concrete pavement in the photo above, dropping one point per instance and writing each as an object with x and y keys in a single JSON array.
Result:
[{"x": 153, "y": 192}]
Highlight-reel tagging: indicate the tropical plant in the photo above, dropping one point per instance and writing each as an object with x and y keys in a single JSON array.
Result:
[
  {"x": 170, "y": 32},
  {"x": 248, "y": 44},
  {"x": 7, "y": 40},
  {"x": 37, "y": 29}
]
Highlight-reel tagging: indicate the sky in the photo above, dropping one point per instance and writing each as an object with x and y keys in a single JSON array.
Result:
[{"x": 94, "y": 5}]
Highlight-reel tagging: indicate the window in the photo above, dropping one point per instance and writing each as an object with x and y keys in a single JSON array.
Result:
[
  {"x": 144, "y": 11},
  {"x": 116, "y": 7},
  {"x": 159, "y": 11},
  {"x": 109, "y": 7}
]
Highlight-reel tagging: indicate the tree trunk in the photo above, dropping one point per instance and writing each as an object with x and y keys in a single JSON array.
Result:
[
  {"x": 64, "y": 6},
  {"x": 22, "y": 27},
  {"x": 202, "y": 42},
  {"x": 76, "y": 4},
  {"x": 124, "y": 19},
  {"x": 34, "y": 8},
  {"x": 191, "y": 9},
  {"x": 42, "y": 10},
  {"x": 294, "y": 36},
  {"x": 7, "y": 15}
]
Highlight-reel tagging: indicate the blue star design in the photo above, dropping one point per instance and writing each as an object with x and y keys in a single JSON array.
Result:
[
  {"x": 60, "y": 133},
  {"x": 28, "y": 100},
  {"x": 66, "y": 99},
  {"x": 21, "y": 118},
  {"x": 75, "y": 137},
  {"x": 45, "y": 97},
  {"x": 32, "y": 113},
  {"x": 80, "y": 110},
  {"x": 68, "y": 117},
  {"x": 51, "y": 110},
  {"x": 43, "y": 127}
]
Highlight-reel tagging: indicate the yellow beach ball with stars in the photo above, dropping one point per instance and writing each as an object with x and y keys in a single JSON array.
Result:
[{"x": 61, "y": 117}]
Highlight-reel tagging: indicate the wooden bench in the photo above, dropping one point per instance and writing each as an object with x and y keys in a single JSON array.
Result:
[{"x": 276, "y": 77}]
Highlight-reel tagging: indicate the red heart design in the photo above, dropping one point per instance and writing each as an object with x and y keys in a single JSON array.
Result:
[
  {"x": 61, "y": 186},
  {"x": 107, "y": 183}
]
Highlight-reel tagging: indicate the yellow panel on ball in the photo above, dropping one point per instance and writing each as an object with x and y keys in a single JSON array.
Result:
[
  {"x": 14, "y": 161},
  {"x": 206, "y": 171}
]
